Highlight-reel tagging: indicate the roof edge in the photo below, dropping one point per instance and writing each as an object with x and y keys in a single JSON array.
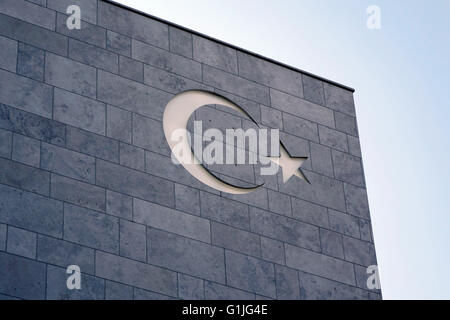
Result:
[{"x": 123, "y": 6}]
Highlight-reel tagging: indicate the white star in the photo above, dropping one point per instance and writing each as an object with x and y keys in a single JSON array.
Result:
[{"x": 290, "y": 166}]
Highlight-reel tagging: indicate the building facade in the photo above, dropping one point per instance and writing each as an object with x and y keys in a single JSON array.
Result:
[{"x": 87, "y": 180}]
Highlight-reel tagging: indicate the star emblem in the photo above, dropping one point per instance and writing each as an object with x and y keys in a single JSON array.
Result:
[{"x": 290, "y": 166}]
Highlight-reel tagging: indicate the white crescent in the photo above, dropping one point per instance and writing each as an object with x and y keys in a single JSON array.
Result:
[{"x": 176, "y": 116}]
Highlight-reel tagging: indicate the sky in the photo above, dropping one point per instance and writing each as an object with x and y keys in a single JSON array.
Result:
[{"x": 401, "y": 73}]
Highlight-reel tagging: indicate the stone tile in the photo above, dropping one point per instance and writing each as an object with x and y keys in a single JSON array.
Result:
[
  {"x": 216, "y": 119},
  {"x": 118, "y": 291},
  {"x": 135, "y": 183},
  {"x": 190, "y": 288},
  {"x": 5, "y": 143},
  {"x": 33, "y": 35},
  {"x": 21, "y": 277},
  {"x": 88, "y": 8},
  {"x": 185, "y": 255},
  {"x": 26, "y": 150},
  {"x": 171, "y": 220},
  {"x": 8, "y": 55},
  {"x": 29, "y": 12},
  {"x": 166, "y": 60},
  {"x": 301, "y": 108},
  {"x": 269, "y": 181},
  {"x": 91, "y": 228},
  {"x": 69, "y": 163},
  {"x": 187, "y": 199},
  {"x": 3, "y": 237},
  {"x": 26, "y": 94},
  {"x": 344, "y": 223},
  {"x": 356, "y": 200},
  {"x": 133, "y": 240},
  {"x": 348, "y": 168},
  {"x": 162, "y": 166},
  {"x": 300, "y": 127},
  {"x": 93, "y": 56},
  {"x": 361, "y": 277},
  {"x": 31, "y": 211},
  {"x": 131, "y": 69},
  {"x": 30, "y": 62},
  {"x": 32, "y": 125},
  {"x": 215, "y": 54},
  {"x": 272, "y": 250},
  {"x": 168, "y": 81},
  {"x": 4, "y": 297},
  {"x": 70, "y": 75},
  {"x": 235, "y": 239},
  {"x": 133, "y": 157},
  {"x": 236, "y": 85},
  {"x": 24, "y": 177},
  {"x": 360, "y": 252},
  {"x": 118, "y": 43},
  {"x": 149, "y": 134},
  {"x": 180, "y": 42},
  {"x": 131, "y": 95},
  {"x": 316, "y": 288},
  {"x": 332, "y": 243},
  {"x": 339, "y": 99},
  {"x": 365, "y": 227},
  {"x": 333, "y": 138},
  {"x": 21, "y": 242},
  {"x": 257, "y": 198},
  {"x": 240, "y": 175},
  {"x": 353, "y": 146},
  {"x": 215, "y": 291},
  {"x": 140, "y": 294},
  {"x": 270, "y": 74},
  {"x": 133, "y": 25},
  {"x": 39, "y": 2},
  {"x": 271, "y": 117},
  {"x": 88, "y": 32},
  {"x": 225, "y": 211},
  {"x": 284, "y": 229},
  {"x": 288, "y": 287},
  {"x": 310, "y": 213},
  {"x": 313, "y": 90},
  {"x": 375, "y": 296},
  {"x": 296, "y": 147},
  {"x": 64, "y": 254},
  {"x": 92, "y": 144},
  {"x": 78, "y": 193},
  {"x": 261, "y": 280},
  {"x": 79, "y": 111},
  {"x": 321, "y": 190},
  {"x": 250, "y": 107},
  {"x": 119, "y": 205},
  {"x": 118, "y": 124},
  {"x": 346, "y": 123},
  {"x": 279, "y": 203},
  {"x": 319, "y": 264},
  {"x": 92, "y": 288},
  {"x": 8, "y": 298},
  {"x": 321, "y": 159}
]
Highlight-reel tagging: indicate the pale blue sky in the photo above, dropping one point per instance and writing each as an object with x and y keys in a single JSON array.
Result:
[{"x": 401, "y": 74}]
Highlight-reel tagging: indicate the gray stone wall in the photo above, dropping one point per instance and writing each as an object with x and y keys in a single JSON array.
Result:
[{"x": 86, "y": 177}]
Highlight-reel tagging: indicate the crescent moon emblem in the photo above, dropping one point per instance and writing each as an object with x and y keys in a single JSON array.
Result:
[{"x": 176, "y": 116}]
